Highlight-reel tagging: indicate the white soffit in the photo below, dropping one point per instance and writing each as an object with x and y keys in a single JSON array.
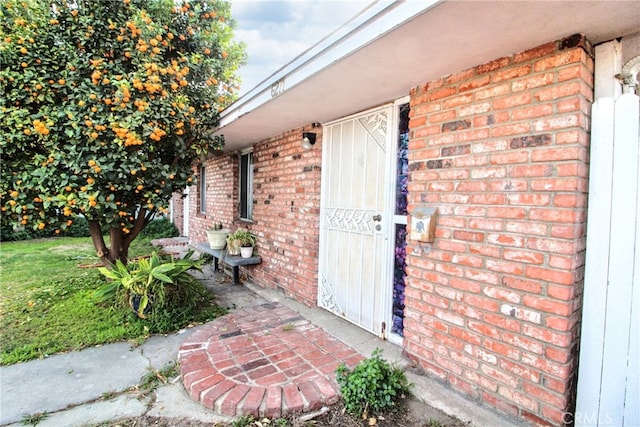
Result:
[{"x": 393, "y": 46}]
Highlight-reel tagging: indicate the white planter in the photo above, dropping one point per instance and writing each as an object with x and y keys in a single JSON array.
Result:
[
  {"x": 218, "y": 238},
  {"x": 246, "y": 251}
]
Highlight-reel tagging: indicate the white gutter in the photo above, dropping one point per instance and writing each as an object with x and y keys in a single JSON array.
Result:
[{"x": 377, "y": 19}]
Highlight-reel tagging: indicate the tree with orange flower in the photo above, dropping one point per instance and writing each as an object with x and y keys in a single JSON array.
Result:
[{"x": 104, "y": 107}]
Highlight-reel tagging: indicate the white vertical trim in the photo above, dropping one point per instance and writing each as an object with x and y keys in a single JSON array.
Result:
[
  {"x": 608, "y": 390},
  {"x": 608, "y": 63},
  {"x": 624, "y": 217},
  {"x": 185, "y": 212},
  {"x": 597, "y": 257}
]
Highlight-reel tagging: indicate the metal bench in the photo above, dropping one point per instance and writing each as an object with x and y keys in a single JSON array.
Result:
[{"x": 234, "y": 261}]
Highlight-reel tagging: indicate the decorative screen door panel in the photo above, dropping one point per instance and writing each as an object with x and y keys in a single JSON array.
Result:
[{"x": 353, "y": 251}]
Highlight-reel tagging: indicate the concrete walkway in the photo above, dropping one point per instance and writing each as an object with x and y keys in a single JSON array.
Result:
[{"x": 100, "y": 384}]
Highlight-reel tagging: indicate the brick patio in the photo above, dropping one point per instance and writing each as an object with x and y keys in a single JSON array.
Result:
[{"x": 266, "y": 361}]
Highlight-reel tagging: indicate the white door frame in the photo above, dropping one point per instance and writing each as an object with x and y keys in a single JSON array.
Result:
[
  {"x": 185, "y": 212},
  {"x": 392, "y": 159}
]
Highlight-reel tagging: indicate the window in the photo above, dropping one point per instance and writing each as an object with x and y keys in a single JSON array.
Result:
[
  {"x": 246, "y": 185},
  {"x": 203, "y": 189}
]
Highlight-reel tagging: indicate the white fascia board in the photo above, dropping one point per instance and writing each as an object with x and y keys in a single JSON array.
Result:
[{"x": 379, "y": 18}]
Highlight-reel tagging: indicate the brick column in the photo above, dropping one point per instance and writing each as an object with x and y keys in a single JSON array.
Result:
[{"x": 493, "y": 305}]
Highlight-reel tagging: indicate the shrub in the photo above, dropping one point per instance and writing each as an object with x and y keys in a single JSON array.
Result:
[
  {"x": 161, "y": 291},
  {"x": 160, "y": 228},
  {"x": 373, "y": 385}
]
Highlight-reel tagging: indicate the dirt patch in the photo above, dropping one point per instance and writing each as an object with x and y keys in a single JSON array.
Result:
[
  {"x": 76, "y": 247},
  {"x": 413, "y": 414}
]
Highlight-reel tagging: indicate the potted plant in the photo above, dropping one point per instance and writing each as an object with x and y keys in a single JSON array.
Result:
[
  {"x": 217, "y": 236},
  {"x": 241, "y": 242}
]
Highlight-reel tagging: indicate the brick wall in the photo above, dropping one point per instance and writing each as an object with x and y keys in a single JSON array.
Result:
[
  {"x": 285, "y": 211},
  {"x": 493, "y": 305},
  {"x": 221, "y": 197},
  {"x": 177, "y": 206}
]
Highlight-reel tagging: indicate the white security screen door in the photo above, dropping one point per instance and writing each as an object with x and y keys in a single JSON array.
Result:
[{"x": 355, "y": 222}]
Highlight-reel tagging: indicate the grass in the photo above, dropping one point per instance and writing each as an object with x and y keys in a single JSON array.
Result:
[{"x": 48, "y": 305}]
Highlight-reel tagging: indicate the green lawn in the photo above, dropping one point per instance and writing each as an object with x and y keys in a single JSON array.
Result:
[{"x": 47, "y": 303}]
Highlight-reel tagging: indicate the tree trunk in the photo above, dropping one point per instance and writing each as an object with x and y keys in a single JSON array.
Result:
[
  {"x": 101, "y": 248},
  {"x": 120, "y": 242}
]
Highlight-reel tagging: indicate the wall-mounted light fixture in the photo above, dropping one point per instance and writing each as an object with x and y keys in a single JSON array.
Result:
[{"x": 308, "y": 139}]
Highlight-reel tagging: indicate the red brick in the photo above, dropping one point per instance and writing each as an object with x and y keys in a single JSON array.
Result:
[
  {"x": 230, "y": 403},
  {"x": 496, "y": 64},
  {"x": 441, "y": 93},
  {"x": 554, "y": 276},
  {"x": 329, "y": 393},
  {"x": 559, "y": 59},
  {"x": 475, "y": 83},
  {"x": 504, "y": 267},
  {"x": 556, "y": 215},
  {"x": 501, "y": 294},
  {"x": 523, "y": 342},
  {"x": 499, "y": 375},
  {"x": 518, "y": 398},
  {"x": 500, "y": 404},
  {"x": 312, "y": 396},
  {"x": 252, "y": 402},
  {"x": 545, "y": 396},
  {"x": 206, "y": 383},
  {"x": 502, "y": 349},
  {"x": 559, "y": 323},
  {"x": 503, "y": 322},
  {"x": 561, "y": 339},
  {"x": 532, "y": 112},
  {"x": 534, "y": 81},
  {"x": 510, "y": 129},
  {"x": 292, "y": 398},
  {"x": 531, "y": 286},
  {"x": 561, "y": 355},
  {"x": 484, "y": 329},
  {"x": 561, "y": 91},
  {"x": 483, "y": 303},
  {"x": 209, "y": 397},
  {"x": 273, "y": 402},
  {"x": 493, "y": 92},
  {"x": 270, "y": 380},
  {"x": 507, "y": 212},
  {"x": 511, "y": 73},
  {"x": 536, "y": 52},
  {"x": 523, "y": 372}
]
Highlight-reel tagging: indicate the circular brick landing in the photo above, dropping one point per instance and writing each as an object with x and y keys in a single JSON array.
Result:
[{"x": 266, "y": 361}]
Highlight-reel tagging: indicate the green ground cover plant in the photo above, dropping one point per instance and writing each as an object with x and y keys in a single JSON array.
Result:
[
  {"x": 373, "y": 386},
  {"x": 49, "y": 304}
]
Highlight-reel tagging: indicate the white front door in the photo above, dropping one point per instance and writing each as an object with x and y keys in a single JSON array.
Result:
[{"x": 355, "y": 225}]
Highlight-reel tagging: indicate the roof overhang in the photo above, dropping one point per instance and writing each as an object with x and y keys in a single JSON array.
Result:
[{"x": 390, "y": 47}]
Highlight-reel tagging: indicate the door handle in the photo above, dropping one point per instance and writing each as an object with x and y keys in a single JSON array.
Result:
[{"x": 377, "y": 218}]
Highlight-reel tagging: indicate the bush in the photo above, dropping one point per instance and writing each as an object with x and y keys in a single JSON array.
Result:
[
  {"x": 160, "y": 291},
  {"x": 79, "y": 228},
  {"x": 373, "y": 385},
  {"x": 160, "y": 228}
]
